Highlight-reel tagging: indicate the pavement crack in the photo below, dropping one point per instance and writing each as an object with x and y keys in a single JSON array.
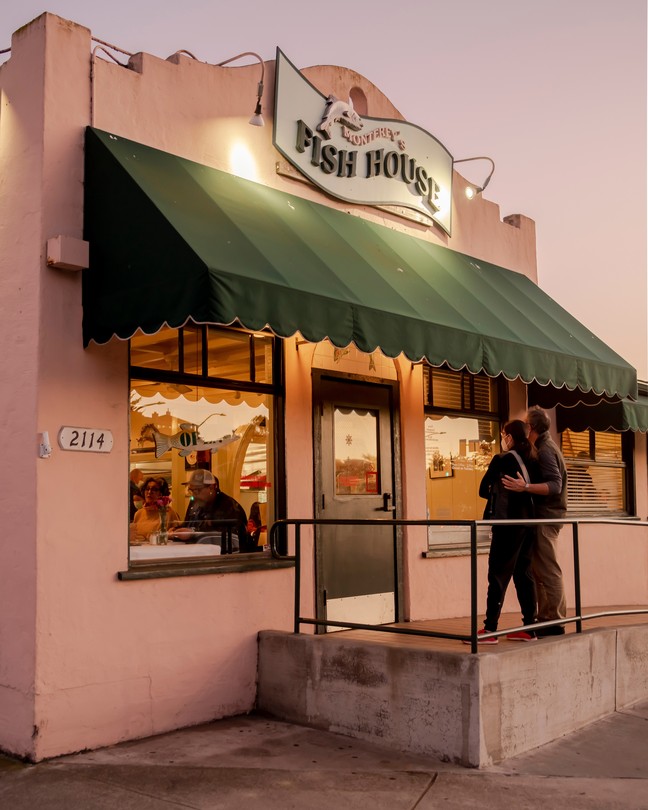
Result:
[
  {"x": 426, "y": 790},
  {"x": 134, "y": 791}
]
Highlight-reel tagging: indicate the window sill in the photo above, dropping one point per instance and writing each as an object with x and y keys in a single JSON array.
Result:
[
  {"x": 218, "y": 565},
  {"x": 457, "y": 551},
  {"x": 483, "y": 546}
]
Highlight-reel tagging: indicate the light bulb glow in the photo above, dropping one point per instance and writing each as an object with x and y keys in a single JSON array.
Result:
[{"x": 242, "y": 162}]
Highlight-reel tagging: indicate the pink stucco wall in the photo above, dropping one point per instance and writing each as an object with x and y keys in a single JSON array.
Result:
[
  {"x": 87, "y": 660},
  {"x": 21, "y": 116}
]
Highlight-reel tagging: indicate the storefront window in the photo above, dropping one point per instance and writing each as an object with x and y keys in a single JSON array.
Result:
[
  {"x": 462, "y": 431},
  {"x": 596, "y": 472},
  {"x": 202, "y": 458},
  {"x": 157, "y": 352},
  {"x": 192, "y": 349}
]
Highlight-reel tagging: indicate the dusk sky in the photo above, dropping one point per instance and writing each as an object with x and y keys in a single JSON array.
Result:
[{"x": 554, "y": 91}]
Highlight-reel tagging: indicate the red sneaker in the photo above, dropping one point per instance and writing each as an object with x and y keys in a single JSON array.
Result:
[
  {"x": 521, "y": 635},
  {"x": 480, "y": 640}
]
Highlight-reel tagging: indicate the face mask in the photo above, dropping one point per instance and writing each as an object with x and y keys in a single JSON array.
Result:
[
  {"x": 506, "y": 442},
  {"x": 138, "y": 503}
]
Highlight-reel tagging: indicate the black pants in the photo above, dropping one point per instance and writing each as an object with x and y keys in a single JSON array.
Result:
[{"x": 510, "y": 556}]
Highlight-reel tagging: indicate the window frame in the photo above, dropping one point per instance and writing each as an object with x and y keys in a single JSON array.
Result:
[
  {"x": 237, "y": 563},
  {"x": 450, "y": 548},
  {"x": 626, "y": 464},
  {"x": 467, "y": 377}
]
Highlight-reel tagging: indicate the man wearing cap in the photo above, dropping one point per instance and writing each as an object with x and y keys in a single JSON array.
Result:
[{"x": 209, "y": 507}]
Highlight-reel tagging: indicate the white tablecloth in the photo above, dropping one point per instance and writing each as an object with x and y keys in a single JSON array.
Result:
[{"x": 173, "y": 550}]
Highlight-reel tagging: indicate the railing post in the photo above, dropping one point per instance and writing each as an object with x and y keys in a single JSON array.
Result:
[
  {"x": 396, "y": 564},
  {"x": 297, "y": 575},
  {"x": 473, "y": 587},
  {"x": 577, "y": 583}
]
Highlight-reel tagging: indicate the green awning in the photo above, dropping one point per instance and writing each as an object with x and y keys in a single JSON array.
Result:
[
  {"x": 619, "y": 416},
  {"x": 173, "y": 241},
  {"x": 548, "y": 396},
  {"x": 576, "y": 410}
]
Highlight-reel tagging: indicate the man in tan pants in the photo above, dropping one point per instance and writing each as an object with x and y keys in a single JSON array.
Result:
[{"x": 550, "y": 499}]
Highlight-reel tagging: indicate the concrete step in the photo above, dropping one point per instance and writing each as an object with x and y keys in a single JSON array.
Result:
[{"x": 474, "y": 710}]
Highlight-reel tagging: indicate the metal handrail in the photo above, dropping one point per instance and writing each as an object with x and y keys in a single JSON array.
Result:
[{"x": 577, "y": 619}]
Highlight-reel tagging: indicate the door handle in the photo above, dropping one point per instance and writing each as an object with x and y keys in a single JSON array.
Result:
[{"x": 386, "y": 497}]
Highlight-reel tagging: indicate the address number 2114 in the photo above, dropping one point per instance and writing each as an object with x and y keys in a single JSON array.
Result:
[{"x": 84, "y": 439}]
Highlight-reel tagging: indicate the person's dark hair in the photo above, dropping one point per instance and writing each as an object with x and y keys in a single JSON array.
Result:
[
  {"x": 538, "y": 420},
  {"x": 517, "y": 430},
  {"x": 161, "y": 483},
  {"x": 255, "y": 513}
]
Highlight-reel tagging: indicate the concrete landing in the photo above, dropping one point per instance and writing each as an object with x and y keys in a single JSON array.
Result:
[{"x": 473, "y": 710}]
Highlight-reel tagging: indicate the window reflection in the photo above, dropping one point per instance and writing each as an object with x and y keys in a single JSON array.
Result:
[
  {"x": 228, "y": 433},
  {"x": 262, "y": 348},
  {"x": 460, "y": 391},
  {"x": 192, "y": 349},
  {"x": 159, "y": 351},
  {"x": 356, "y": 451},
  {"x": 458, "y": 451},
  {"x": 228, "y": 354},
  {"x": 595, "y": 472},
  {"x": 178, "y": 428}
]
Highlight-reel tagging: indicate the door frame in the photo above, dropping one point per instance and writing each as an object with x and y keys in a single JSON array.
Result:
[{"x": 320, "y": 376}]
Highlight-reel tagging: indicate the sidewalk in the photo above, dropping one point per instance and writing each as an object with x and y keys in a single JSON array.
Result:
[{"x": 256, "y": 762}]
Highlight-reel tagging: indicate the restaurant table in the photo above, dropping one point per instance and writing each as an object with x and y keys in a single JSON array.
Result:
[{"x": 173, "y": 551}]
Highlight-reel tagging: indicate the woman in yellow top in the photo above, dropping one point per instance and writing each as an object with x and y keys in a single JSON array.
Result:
[{"x": 147, "y": 519}]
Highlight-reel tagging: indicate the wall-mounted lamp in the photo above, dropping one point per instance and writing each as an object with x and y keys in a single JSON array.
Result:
[
  {"x": 472, "y": 190},
  {"x": 257, "y": 118}
]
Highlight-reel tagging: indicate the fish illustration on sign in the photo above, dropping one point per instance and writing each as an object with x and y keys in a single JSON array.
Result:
[
  {"x": 341, "y": 112},
  {"x": 187, "y": 441}
]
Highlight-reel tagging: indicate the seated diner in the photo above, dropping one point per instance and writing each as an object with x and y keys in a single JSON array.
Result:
[
  {"x": 148, "y": 519},
  {"x": 212, "y": 516}
]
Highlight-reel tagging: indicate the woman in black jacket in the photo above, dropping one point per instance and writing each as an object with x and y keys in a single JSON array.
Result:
[{"x": 510, "y": 550}]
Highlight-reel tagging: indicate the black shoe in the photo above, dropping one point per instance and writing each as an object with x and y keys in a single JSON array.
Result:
[{"x": 554, "y": 630}]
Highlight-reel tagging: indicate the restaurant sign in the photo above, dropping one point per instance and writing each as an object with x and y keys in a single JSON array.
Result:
[{"x": 372, "y": 161}]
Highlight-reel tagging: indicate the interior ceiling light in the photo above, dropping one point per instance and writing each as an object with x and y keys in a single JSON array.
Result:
[
  {"x": 181, "y": 389},
  {"x": 473, "y": 190}
]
